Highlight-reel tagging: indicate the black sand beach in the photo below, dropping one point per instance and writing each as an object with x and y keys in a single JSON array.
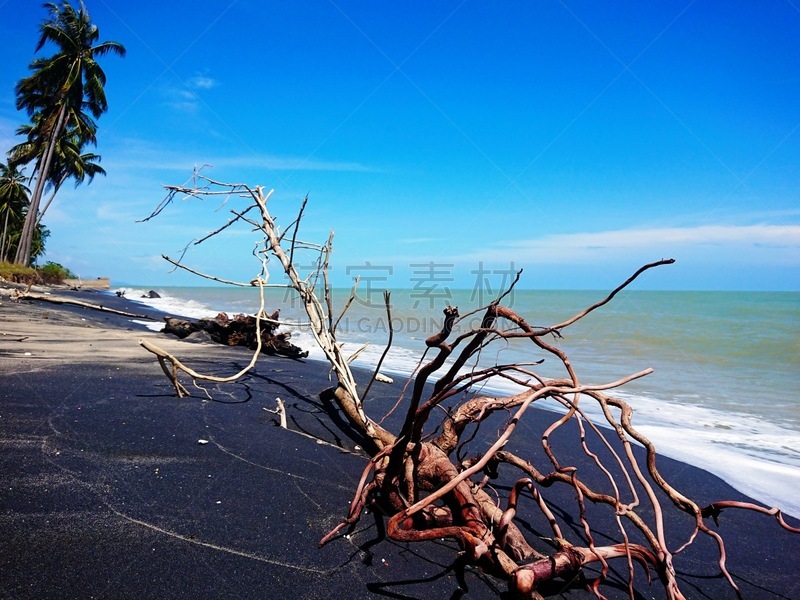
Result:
[{"x": 108, "y": 488}]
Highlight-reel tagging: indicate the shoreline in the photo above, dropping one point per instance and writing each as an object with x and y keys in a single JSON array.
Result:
[
  {"x": 751, "y": 449},
  {"x": 100, "y": 454}
]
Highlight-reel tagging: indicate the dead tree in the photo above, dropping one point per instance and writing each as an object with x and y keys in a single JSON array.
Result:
[{"x": 420, "y": 477}]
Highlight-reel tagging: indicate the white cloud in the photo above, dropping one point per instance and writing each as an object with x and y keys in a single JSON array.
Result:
[
  {"x": 183, "y": 101},
  {"x": 202, "y": 82},
  {"x": 288, "y": 163},
  {"x": 132, "y": 154},
  {"x": 184, "y": 97},
  {"x": 747, "y": 243}
]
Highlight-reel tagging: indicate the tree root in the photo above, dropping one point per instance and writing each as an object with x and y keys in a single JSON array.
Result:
[{"x": 416, "y": 476}]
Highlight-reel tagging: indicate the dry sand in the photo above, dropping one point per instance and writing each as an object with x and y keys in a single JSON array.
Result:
[{"x": 106, "y": 490}]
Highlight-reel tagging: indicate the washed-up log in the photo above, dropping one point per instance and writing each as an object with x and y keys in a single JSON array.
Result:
[
  {"x": 60, "y": 300},
  {"x": 239, "y": 330}
]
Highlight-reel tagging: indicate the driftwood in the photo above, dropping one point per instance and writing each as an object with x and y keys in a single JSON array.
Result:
[
  {"x": 239, "y": 330},
  {"x": 82, "y": 304},
  {"x": 428, "y": 479}
]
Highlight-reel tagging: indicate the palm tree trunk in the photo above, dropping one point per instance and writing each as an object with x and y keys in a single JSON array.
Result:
[
  {"x": 3, "y": 248},
  {"x": 49, "y": 201},
  {"x": 23, "y": 256}
]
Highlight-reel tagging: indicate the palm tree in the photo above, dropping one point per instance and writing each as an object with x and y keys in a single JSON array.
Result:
[
  {"x": 13, "y": 200},
  {"x": 70, "y": 163},
  {"x": 57, "y": 94}
]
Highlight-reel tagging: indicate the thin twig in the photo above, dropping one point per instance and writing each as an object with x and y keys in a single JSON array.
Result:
[{"x": 386, "y": 300}]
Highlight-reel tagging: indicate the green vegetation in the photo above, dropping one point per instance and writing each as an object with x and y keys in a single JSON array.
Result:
[
  {"x": 63, "y": 96},
  {"x": 14, "y": 203},
  {"x": 51, "y": 273},
  {"x": 18, "y": 273}
]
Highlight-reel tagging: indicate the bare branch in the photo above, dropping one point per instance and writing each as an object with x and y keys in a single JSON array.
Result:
[
  {"x": 178, "y": 366},
  {"x": 607, "y": 299},
  {"x": 387, "y": 302},
  {"x": 225, "y": 226},
  {"x": 435, "y": 484},
  {"x": 180, "y": 265}
]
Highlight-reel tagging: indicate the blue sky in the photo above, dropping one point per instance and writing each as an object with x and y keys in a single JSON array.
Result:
[{"x": 578, "y": 140}]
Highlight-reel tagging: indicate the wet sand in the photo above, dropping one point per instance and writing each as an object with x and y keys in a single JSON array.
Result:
[{"x": 107, "y": 491}]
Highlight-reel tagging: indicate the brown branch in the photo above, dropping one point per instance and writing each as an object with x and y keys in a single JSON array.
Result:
[
  {"x": 231, "y": 222},
  {"x": 503, "y": 438},
  {"x": 413, "y": 477},
  {"x": 296, "y": 228},
  {"x": 715, "y": 509},
  {"x": 607, "y": 299},
  {"x": 387, "y": 302}
]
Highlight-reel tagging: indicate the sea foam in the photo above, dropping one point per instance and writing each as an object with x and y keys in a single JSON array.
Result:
[{"x": 755, "y": 456}]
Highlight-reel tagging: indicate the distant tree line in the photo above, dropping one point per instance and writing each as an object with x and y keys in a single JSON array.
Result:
[{"x": 63, "y": 97}]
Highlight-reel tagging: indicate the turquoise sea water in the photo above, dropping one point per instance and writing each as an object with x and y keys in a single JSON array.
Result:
[{"x": 724, "y": 392}]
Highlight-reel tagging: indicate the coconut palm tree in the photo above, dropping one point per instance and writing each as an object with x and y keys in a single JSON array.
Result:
[
  {"x": 64, "y": 93},
  {"x": 68, "y": 161},
  {"x": 71, "y": 164},
  {"x": 13, "y": 201}
]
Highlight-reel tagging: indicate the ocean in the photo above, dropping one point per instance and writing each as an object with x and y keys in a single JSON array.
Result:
[{"x": 724, "y": 395}]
